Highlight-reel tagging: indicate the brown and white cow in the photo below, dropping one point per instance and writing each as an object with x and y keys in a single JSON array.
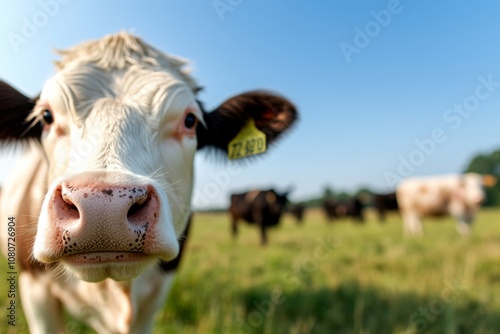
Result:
[
  {"x": 457, "y": 195},
  {"x": 103, "y": 194}
]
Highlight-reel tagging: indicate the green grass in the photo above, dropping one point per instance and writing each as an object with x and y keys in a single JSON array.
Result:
[{"x": 367, "y": 279}]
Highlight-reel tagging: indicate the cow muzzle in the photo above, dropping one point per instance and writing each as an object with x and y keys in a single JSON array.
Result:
[
  {"x": 478, "y": 199},
  {"x": 103, "y": 224}
]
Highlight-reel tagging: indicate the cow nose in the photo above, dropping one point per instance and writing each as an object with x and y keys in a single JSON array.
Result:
[
  {"x": 118, "y": 202},
  {"x": 103, "y": 199},
  {"x": 104, "y": 218},
  {"x": 477, "y": 199}
]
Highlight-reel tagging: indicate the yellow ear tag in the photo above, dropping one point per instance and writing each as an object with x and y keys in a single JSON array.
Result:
[{"x": 249, "y": 141}]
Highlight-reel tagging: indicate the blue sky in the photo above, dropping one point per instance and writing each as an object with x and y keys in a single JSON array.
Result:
[{"x": 358, "y": 118}]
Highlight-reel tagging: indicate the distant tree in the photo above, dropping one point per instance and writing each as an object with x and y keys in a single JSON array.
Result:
[
  {"x": 313, "y": 202},
  {"x": 328, "y": 192},
  {"x": 364, "y": 191},
  {"x": 488, "y": 164},
  {"x": 365, "y": 195},
  {"x": 343, "y": 196}
]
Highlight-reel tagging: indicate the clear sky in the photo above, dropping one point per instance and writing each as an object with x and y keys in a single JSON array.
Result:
[{"x": 370, "y": 78}]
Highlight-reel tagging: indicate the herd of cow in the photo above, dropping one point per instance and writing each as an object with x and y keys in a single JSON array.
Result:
[
  {"x": 96, "y": 213},
  {"x": 457, "y": 195}
]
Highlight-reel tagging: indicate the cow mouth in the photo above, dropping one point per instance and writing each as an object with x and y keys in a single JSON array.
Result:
[
  {"x": 98, "y": 266},
  {"x": 105, "y": 257}
]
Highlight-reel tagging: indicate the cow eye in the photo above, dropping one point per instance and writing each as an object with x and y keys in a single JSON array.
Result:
[
  {"x": 190, "y": 121},
  {"x": 47, "y": 116}
]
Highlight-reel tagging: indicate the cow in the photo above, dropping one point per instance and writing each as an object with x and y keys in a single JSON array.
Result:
[
  {"x": 259, "y": 207},
  {"x": 102, "y": 196},
  {"x": 297, "y": 211},
  {"x": 460, "y": 196},
  {"x": 351, "y": 208},
  {"x": 383, "y": 203}
]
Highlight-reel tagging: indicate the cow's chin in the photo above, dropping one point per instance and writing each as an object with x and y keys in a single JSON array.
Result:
[{"x": 98, "y": 266}]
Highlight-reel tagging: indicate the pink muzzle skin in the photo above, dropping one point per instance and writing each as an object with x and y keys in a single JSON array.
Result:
[{"x": 102, "y": 222}]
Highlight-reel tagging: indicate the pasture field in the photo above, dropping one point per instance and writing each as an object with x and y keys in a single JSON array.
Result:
[{"x": 331, "y": 278}]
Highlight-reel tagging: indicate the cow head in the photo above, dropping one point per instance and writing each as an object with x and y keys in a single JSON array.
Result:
[
  {"x": 471, "y": 191},
  {"x": 119, "y": 124},
  {"x": 276, "y": 201}
]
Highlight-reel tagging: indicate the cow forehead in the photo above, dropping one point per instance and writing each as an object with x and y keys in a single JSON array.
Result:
[
  {"x": 79, "y": 90},
  {"x": 123, "y": 50},
  {"x": 119, "y": 66},
  {"x": 473, "y": 180}
]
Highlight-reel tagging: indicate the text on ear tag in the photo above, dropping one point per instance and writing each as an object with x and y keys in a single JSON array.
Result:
[{"x": 249, "y": 141}]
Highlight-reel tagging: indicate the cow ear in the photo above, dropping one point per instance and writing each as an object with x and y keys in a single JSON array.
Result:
[
  {"x": 15, "y": 108},
  {"x": 272, "y": 114},
  {"x": 489, "y": 181}
]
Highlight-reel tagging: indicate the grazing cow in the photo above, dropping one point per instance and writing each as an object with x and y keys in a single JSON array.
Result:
[
  {"x": 457, "y": 195},
  {"x": 103, "y": 195},
  {"x": 297, "y": 210},
  {"x": 383, "y": 203},
  {"x": 351, "y": 208},
  {"x": 260, "y": 207}
]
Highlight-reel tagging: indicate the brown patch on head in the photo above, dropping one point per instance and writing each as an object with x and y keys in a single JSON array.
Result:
[
  {"x": 270, "y": 197},
  {"x": 250, "y": 196},
  {"x": 423, "y": 189}
]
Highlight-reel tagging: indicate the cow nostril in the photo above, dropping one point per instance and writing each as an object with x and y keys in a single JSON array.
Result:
[
  {"x": 136, "y": 207},
  {"x": 69, "y": 203},
  {"x": 69, "y": 208}
]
